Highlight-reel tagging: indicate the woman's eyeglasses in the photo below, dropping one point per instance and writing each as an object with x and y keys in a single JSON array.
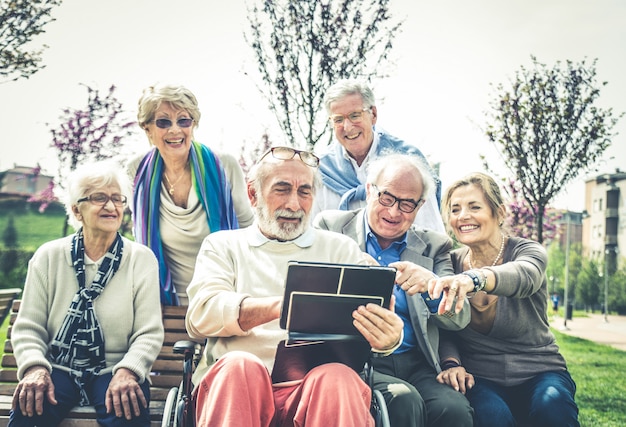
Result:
[
  {"x": 288, "y": 153},
  {"x": 167, "y": 123},
  {"x": 101, "y": 199},
  {"x": 405, "y": 205}
]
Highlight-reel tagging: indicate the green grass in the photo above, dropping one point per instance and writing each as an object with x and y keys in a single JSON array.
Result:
[
  {"x": 3, "y": 331},
  {"x": 598, "y": 371},
  {"x": 34, "y": 228}
]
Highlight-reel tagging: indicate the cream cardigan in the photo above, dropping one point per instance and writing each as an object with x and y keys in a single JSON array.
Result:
[{"x": 128, "y": 308}]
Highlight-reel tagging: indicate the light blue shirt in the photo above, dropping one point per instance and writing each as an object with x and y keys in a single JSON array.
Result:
[{"x": 386, "y": 257}]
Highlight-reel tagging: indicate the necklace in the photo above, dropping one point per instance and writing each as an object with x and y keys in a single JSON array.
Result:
[
  {"x": 171, "y": 190},
  {"x": 469, "y": 255}
]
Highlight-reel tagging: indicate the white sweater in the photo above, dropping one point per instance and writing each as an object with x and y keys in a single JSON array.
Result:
[
  {"x": 234, "y": 264},
  {"x": 128, "y": 309}
]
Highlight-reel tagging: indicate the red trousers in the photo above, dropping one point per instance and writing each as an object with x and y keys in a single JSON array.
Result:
[{"x": 237, "y": 391}]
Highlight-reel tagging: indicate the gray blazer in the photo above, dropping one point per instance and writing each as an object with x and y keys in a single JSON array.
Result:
[{"x": 426, "y": 248}]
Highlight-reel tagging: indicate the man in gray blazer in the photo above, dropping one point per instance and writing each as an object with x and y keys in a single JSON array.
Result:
[{"x": 397, "y": 186}]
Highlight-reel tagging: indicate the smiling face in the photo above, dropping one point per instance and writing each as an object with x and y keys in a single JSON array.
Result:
[
  {"x": 100, "y": 220},
  {"x": 356, "y": 138},
  {"x": 471, "y": 217},
  {"x": 175, "y": 140},
  {"x": 284, "y": 201},
  {"x": 390, "y": 223}
]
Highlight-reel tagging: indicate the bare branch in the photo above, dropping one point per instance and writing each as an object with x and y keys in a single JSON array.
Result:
[
  {"x": 548, "y": 128},
  {"x": 20, "y": 22},
  {"x": 302, "y": 47}
]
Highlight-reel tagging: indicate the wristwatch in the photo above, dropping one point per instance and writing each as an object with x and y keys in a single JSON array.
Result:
[{"x": 478, "y": 277}]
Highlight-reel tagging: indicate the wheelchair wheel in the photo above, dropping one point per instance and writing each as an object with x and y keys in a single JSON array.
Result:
[
  {"x": 180, "y": 417},
  {"x": 381, "y": 416},
  {"x": 169, "y": 415}
]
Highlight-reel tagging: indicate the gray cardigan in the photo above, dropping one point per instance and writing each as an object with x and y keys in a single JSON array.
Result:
[
  {"x": 426, "y": 248},
  {"x": 520, "y": 344}
]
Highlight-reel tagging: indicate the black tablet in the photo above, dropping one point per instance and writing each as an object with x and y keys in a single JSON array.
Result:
[{"x": 320, "y": 298}]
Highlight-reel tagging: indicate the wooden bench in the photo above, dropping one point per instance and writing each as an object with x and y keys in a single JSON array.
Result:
[
  {"x": 7, "y": 296},
  {"x": 166, "y": 372}
]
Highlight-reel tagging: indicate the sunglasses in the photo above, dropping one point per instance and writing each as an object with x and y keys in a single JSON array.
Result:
[
  {"x": 288, "y": 153},
  {"x": 167, "y": 123}
]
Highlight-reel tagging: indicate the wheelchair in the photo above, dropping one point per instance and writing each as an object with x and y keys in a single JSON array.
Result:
[{"x": 179, "y": 409}]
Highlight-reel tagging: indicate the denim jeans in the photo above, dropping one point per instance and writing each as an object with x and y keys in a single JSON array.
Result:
[
  {"x": 546, "y": 400},
  {"x": 67, "y": 395}
]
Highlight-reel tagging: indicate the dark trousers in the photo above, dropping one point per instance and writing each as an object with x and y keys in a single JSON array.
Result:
[
  {"x": 414, "y": 397},
  {"x": 67, "y": 395}
]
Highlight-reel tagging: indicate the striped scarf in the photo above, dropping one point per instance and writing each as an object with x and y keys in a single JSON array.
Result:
[
  {"x": 79, "y": 343},
  {"x": 213, "y": 190}
]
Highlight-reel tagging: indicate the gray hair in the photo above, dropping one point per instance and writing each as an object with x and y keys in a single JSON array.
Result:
[
  {"x": 90, "y": 176},
  {"x": 398, "y": 160},
  {"x": 347, "y": 87},
  {"x": 179, "y": 97}
]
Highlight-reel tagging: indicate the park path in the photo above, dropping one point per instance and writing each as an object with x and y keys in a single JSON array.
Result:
[{"x": 595, "y": 328}]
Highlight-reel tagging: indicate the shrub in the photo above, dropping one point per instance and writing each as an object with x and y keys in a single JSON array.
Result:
[{"x": 13, "y": 267}]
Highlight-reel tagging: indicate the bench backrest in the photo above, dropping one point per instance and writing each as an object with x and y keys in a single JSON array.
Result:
[{"x": 7, "y": 296}]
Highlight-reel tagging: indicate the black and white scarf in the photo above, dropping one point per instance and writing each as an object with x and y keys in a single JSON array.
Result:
[{"x": 79, "y": 343}]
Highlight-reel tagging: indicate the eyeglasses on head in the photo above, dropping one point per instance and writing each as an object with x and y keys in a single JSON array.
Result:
[{"x": 288, "y": 153}]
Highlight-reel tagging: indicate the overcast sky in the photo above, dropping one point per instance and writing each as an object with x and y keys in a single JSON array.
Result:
[{"x": 447, "y": 55}]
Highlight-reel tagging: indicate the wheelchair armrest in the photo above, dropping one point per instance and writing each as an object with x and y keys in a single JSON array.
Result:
[
  {"x": 188, "y": 348},
  {"x": 368, "y": 374}
]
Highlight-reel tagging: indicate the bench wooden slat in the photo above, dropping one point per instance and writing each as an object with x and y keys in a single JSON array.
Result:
[
  {"x": 82, "y": 416},
  {"x": 79, "y": 411},
  {"x": 8, "y": 361},
  {"x": 8, "y": 376},
  {"x": 8, "y": 347},
  {"x": 166, "y": 381},
  {"x": 7, "y": 297},
  {"x": 168, "y": 366},
  {"x": 165, "y": 374},
  {"x": 172, "y": 337},
  {"x": 76, "y": 422},
  {"x": 174, "y": 325}
]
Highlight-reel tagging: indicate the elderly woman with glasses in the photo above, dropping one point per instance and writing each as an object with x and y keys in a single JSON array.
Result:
[
  {"x": 87, "y": 332},
  {"x": 183, "y": 190}
]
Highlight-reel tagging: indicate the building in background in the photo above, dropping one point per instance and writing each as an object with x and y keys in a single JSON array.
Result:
[
  {"x": 575, "y": 220},
  {"x": 23, "y": 181},
  {"x": 604, "y": 230}
]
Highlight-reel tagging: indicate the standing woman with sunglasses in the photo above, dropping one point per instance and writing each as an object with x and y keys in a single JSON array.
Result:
[
  {"x": 183, "y": 190},
  {"x": 87, "y": 332}
]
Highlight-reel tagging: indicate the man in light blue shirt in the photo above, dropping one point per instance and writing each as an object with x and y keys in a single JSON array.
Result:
[{"x": 353, "y": 115}]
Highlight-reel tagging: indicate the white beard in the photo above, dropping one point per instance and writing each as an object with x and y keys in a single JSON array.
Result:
[{"x": 269, "y": 225}]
